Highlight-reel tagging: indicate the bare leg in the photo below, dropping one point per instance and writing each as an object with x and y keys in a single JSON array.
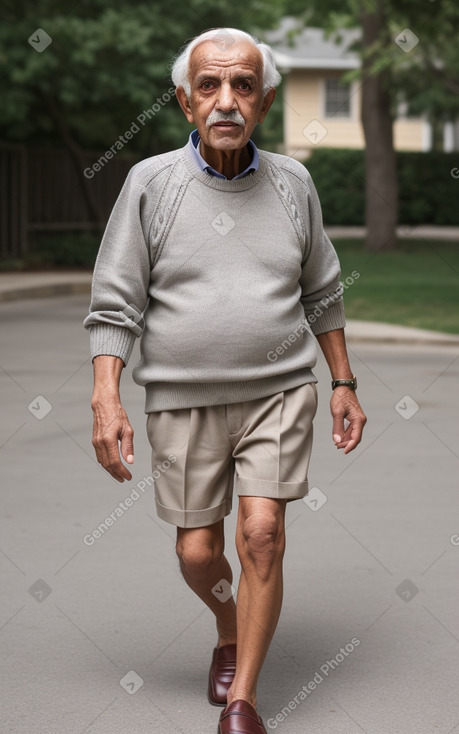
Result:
[
  {"x": 260, "y": 541},
  {"x": 203, "y": 565}
]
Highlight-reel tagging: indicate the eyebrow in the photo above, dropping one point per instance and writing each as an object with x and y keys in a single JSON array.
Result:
[{"x": 240, "y": 77}]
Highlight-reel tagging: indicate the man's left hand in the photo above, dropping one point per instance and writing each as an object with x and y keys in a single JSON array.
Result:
[{"x": 344, "y": 405}]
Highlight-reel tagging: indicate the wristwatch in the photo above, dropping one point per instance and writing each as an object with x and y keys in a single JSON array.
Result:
[{"x": 345, "y": 383}]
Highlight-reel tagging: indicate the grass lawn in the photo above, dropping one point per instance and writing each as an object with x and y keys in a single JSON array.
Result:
[{"x": 415, "y": 285}]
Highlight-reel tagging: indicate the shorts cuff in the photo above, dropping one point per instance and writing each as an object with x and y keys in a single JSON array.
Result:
[
  {"x": 246, "y": 487},
  {"x": 194, "y": 518}
]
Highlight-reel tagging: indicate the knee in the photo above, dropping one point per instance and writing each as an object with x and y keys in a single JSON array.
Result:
[
  {"x": 262, "y": 541},
  {"x": 197, "y": 556}
]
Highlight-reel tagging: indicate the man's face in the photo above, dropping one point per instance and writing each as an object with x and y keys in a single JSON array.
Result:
[{"x": 226, "y": 99}]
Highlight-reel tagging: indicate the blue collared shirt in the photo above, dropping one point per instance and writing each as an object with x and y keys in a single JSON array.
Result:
[{"x": 204, "y": 166}]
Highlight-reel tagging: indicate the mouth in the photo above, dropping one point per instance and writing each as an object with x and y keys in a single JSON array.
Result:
[{"x": 225, "y": 125}]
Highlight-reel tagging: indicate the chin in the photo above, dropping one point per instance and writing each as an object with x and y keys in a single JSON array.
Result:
[
  {"x": 227, "y": 144},
  {"x": 229, "y": 141}
]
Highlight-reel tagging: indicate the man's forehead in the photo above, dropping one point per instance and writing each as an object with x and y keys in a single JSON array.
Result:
[{"x": 215, "y": 55}]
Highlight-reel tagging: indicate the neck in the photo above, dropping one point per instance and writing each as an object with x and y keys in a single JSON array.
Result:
[{"x": 227, "y": 162}]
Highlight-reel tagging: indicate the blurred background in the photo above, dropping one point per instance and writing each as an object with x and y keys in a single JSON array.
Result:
[{"x": 369, "y": 102}]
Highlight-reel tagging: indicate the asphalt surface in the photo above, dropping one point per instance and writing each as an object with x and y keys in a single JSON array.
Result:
[{"x": 106, "y": 638}]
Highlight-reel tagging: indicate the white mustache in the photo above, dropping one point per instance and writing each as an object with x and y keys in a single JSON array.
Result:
[{"x": 233, "y": 116}]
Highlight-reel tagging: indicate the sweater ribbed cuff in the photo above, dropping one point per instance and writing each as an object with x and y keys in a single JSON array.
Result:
[
  {"x": 329, "y": 319},
  {"x": 116, "y": 341}
]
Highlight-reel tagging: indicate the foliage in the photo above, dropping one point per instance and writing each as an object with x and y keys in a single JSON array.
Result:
[
  {"x": 339, "y": 176},
  {"x": 427, "y": 190},
  {"x": 106, "y": 64},
  {"x": 67, "y": 250}
]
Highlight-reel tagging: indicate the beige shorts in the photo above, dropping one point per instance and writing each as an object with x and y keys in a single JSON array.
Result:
[{"x": 197, "y": 451}]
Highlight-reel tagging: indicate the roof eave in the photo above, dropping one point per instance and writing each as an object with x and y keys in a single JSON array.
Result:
[{"x": 289, "y": 63}]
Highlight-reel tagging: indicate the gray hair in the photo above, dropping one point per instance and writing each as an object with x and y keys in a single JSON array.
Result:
[{"x": 225, "y": 37}]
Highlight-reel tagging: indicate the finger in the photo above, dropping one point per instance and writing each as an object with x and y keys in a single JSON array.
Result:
[
  {"x": 115, "y": 466},
  {"x": 338, "y": 430},
  {"x": 111, "y": 461},
  {"x": 127, "y": 444},
  {"x": 354, "y": 439},
  {"x": 101, "y": 455},
  {"x": 119, "y": 472},
  {"x": 350, "y": 446}
]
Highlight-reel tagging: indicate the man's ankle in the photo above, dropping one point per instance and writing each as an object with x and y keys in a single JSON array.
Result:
[
  {"x": 227, "y": 633},
  {"x": 241, "y": 694},
  {"x": 226, "y": 640}
]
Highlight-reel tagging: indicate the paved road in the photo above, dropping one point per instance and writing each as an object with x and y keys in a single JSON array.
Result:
[{"x": 368, "y": 637}]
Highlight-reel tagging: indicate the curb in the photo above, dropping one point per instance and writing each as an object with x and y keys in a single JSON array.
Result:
[
  {"x": 379, "y": 332},
  {"x": 44, "y": 284},
  {"x": 439, "y": 339},
  {"x": 404, "y": 231},
  {"x": 44, "y": 291}
]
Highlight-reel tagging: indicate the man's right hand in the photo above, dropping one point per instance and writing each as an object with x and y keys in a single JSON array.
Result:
[
  {"x": 113, "y": 435},
  {"x": 111, "y": 425}
]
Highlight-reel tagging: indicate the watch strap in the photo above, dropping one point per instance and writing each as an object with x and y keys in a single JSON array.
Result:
[{"x": 352, "y": 383}]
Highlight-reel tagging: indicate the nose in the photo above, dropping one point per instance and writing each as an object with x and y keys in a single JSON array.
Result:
[{"x": 226, "y": 101}]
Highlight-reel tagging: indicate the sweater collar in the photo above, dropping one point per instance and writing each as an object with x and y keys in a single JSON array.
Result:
[
  {"x": 221, "y": 184},
  {"x": 194, "y": 139}
]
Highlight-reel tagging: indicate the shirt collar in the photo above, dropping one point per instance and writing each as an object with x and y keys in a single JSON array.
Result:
[{"x": 204, "y": 166}]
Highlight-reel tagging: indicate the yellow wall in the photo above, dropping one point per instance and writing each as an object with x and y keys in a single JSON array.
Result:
[
  {"x": 304, "y": 103},
  {"x": 408, "y": 134}
]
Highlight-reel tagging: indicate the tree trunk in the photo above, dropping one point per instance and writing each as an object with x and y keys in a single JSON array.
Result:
[
  {"x": 381, "y": 191},
  {"x": 77, "y": 158}
]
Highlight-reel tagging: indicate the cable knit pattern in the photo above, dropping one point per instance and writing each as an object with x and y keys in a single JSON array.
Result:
[{"x": 225, "y": 281}]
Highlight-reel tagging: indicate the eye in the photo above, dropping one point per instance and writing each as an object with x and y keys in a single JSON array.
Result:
[
  {"x": 207, "y": 86},
  {"x": 245, "y": 87}
]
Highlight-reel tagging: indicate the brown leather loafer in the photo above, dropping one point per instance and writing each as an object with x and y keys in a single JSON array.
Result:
[
  {"x": 240, "y": 718},
  {"x": 221, "y": 673}
]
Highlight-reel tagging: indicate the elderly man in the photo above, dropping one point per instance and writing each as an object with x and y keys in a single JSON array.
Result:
[{"x": 215, "y": 255}]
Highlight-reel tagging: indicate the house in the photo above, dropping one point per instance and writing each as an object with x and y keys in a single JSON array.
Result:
[{"x": 320, "y": 106}]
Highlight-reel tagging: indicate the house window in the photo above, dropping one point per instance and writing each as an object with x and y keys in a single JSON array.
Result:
[{"x": 337, "y": 98}]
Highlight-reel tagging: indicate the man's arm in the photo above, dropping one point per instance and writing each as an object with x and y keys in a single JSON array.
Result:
[
  {"x": 111, "y": 424},
  {"x": 119, "y": 297},
  {"x": 343, "y": 403}
]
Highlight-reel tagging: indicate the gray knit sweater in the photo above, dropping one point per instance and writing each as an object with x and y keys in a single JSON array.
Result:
[{"x": 226, "y": 281}]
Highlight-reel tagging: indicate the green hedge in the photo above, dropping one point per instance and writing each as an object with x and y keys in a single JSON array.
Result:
[
  {"x": 57, "y": 250},
  {"x": 428, "y": 193}
]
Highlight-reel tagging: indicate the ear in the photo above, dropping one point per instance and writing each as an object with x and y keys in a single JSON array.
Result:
[
  {"x": 184, "y": 103},
  {"x": 267, "y": 102}
]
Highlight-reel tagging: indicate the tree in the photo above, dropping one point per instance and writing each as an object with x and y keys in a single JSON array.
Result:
[
  {"x": 82, "y": 79},
  {"x": 381, "y": 194},
  {"x": 407, "y": 55}
]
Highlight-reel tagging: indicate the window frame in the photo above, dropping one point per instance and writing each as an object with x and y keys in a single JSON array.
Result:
[{"x": 350, "y": 116}]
